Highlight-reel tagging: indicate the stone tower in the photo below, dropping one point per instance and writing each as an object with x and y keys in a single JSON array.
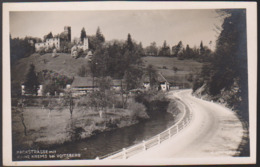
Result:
[{"x": 67, "y": 31}]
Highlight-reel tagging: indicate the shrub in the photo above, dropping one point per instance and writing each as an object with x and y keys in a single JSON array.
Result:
[
  {"x": 173, "y": 108},
  {"x": 138, "y": 110},
  {"x": 82, "y": 71}
]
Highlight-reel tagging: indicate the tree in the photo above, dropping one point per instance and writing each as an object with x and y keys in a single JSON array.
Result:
[
  {"x": 165, "y": 50},
  {"x": 100, "y": 37},
  {"x": 20, "y": 108},
  {"x": 176, "y": 50},
  {"x": 129, "y": 43},
  {"x": 68, "y": 100},
  {"x": 230, "y": 59},
  {"x": 132, "y": 77},
  {"x": 31, "y": 84},
  {"x": 227, "y": 71},
  {"x": 202, "y": 49},
  {"x": 152, "y": 74},
  {"x": 20, "y": 48},
  {"x": 83, "y": 34},
  {"x": 48, "y": 36},
  {"x": 83, "y": 71},
  {"x": 151, "y": 50}
]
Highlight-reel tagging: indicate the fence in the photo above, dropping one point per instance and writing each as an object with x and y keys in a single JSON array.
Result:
[{"x": 153, "y": 141}]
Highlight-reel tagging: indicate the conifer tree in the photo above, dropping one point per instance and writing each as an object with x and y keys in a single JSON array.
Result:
[
  {"x": 31, "y": 84},
  {"x": 83, "y": 34}
]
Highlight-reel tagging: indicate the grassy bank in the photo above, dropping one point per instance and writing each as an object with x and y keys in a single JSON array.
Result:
[
  {"x": 36, "y": 126},
  {"x": 45, "y": 128}
]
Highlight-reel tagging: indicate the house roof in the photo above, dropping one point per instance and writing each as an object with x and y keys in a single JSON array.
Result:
[
  {"x": 118, "y": 82},
  {"x": 159, "y": 78},
  {"x": 88, "y": 82},
  {"x": 82, "y": 82}
]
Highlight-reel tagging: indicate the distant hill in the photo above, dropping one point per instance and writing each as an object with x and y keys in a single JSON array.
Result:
[
  {"x": 165, "y": 65},
  {"x": 63, "y": 64},
  {"x": 66, "y": 65}
]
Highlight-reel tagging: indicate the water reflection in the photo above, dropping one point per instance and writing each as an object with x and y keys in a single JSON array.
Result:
[{"x": 107, "y": 142}]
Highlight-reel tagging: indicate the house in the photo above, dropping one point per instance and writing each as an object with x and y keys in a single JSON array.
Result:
[
  {"x": 80, "y": 46},
  {"x": 39, "y": 91},
  {"x": 82, "y": 85},
  {"x": 164, "y": 84},
  {"x": 49, "y": 43},
  {"x": 56, "y": 41},
  {"x": 146, "y": 83},
  {"x": 118, "y": 84}
]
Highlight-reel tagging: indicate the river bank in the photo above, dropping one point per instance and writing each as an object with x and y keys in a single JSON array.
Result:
[{"x": 38, "y": 127}]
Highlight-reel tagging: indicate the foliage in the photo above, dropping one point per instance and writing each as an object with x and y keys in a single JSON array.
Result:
[
  {"x": 100, "y": 37},
  {"x": 114, "y": 59},
  {"x": 15, "y": 89},
  {"x": 31, "y": 83},
  {"x": 69, "y": 101},
  {"x": 53, "y": 81},
  {"x": 104, "y": 83},
  {"x": 48, "y": 36},
  {"x": 83, "y": 71},
  {"x": 165, "y": 50},
  {"x": 133, "y": 77},
  {"x": 175, "y": 69},
  {"x": 83, "y": 34},
  {"x": 100, "y": 99},
  {"x": 52, "y": 88},
  {"x": 151, "y": 50},
  {"x": 173, "y": 108},
  {"x": 227, "y": 69},
  {"x": 65, "y": 46},
  {"x": 138, "y": 110},
  {"x": 151, "y": 72},
  {"x": 176, "y": 50},
  {"x": 59, "y": 79},
  {"x": 20, "y": 48}
]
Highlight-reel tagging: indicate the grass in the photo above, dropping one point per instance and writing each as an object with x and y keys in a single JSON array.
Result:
[
  {"x": 63, "y": 64},
  {"x": 66, "y": 65},
  {"x": 58, "y": 127},
  {"x": 165, "y": 65}
]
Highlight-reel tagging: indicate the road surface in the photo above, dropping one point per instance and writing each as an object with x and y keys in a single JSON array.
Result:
[{"x": 214, "y": 131}]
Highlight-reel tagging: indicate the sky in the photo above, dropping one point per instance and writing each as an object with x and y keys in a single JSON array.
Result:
[{"x": 146, "y": 26}]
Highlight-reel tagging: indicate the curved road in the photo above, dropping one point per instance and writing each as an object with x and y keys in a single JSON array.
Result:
[{"x": 214, "y": 131}]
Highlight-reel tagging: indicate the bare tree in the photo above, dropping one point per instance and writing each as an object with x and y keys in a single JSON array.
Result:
[{"x": 20, "y": 107}]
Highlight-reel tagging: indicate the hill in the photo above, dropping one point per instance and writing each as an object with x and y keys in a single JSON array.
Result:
[
  {"x": 63, "y": 64},
  {"x": 66, "y": 65},
  {"x": 166, "y": 65}
]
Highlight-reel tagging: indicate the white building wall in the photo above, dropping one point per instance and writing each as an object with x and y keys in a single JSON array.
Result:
[
  {"x": 85, "y": 44},
  {"x": 48, "y": 44},
  {"x": 39, "y": 45}
]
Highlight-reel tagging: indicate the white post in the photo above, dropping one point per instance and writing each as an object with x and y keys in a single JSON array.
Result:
[
  {"x": 159, "y": 139},
  {"x": 169, "y": 133},
  {"x": 97, "y": 158},
  {"x": 124, "y": 153},
  {"x": 144, "y": 147}
]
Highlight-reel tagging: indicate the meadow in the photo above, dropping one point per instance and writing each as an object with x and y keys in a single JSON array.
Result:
[
  {"x": 45, "y": 127},
  {"x": 166, "y": 65}
]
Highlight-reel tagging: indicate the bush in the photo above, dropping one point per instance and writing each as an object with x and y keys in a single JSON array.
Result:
[
  {"x": 173, "y": 108},
  {"x": 138, "y": 110},
  {"x": 197, "y": 83},
  {"x": 82, "y": 71}
]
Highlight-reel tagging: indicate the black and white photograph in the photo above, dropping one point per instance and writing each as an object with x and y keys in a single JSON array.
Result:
[{"x": 89, "y": 84}]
